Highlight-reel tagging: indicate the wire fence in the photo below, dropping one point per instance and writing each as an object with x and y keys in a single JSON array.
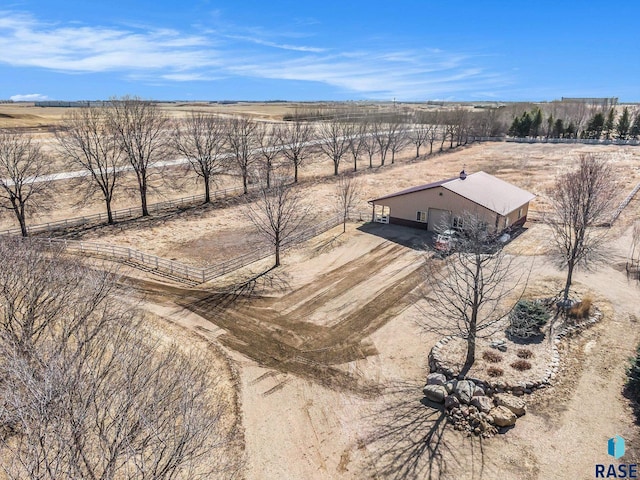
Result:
[{"x": 177, "y": 270}]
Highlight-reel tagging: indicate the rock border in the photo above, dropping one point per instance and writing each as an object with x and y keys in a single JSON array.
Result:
[{"x": 437, "y": 365}]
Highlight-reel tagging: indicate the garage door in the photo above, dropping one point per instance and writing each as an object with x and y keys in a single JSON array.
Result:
[{"x": 438, "y": 219}]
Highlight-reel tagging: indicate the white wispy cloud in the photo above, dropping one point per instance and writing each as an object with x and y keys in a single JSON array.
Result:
[
  {"x": 408, "y": 74},
  {"x": 282, "y": 46},
  {"x": 28, "y": 43},
  {"x": 29, "y": 97},
  {"x": 167, "y": 55}
]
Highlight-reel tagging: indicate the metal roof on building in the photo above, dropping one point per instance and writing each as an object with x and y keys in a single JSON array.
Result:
[{"x": 481, "y": 188}]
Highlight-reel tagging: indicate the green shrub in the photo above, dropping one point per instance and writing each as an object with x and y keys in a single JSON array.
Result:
[
  {"x": 527, "y": 318},
  {"x": 632, "y": 387},
  {"x": 633, "y": 374}
]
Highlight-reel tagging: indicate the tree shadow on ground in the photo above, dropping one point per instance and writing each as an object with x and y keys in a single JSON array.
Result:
[
  {"x": 408, "y": 237},
  {"x": 411, "y": 438}
]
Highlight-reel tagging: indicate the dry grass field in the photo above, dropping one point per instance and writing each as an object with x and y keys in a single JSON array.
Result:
[{"x": 329, "y": 355}]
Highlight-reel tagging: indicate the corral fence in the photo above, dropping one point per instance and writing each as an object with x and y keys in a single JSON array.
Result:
[
  {"x": 586, "y": 141},
  {"x": 537, "y": 216},
  {"x": 177, "y": 270},
  {"x": 126, "y": 213}
]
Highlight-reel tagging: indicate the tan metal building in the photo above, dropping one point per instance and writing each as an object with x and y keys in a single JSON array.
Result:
[{"x": 440, "y": 205}]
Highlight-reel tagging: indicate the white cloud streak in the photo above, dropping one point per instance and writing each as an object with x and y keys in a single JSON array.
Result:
[{"x": 168, "y": 55}]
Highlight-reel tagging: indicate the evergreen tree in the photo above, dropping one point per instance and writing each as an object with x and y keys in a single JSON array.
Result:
[
  {"x": 550, "y": 121},
  {"x": 558, "y": 129},
  {"x": 514, "y": 130},
  {"x": 594, "y": 127},
  {"x": 525, "y": 125},
  {"x": 536, "y": 122},
  {"x": 635, "y": 128},
  {"x": 610, "y": 123},
  {"x": 624, "y": 124}
]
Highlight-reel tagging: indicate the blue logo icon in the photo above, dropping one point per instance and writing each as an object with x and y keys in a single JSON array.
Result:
[{"x": 615, "y": 447}]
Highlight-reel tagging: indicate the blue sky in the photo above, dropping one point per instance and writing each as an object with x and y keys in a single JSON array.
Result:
[{"x": 319, "y": 50}]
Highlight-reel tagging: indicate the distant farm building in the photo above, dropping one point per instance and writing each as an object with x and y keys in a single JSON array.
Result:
[{"x": 440, "y": 205}]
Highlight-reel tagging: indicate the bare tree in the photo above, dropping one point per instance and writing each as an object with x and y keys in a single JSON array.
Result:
[
  {"x": 277, "y": 215},
  {"x": 295, "y": 138},
  {"x": 357, "y": 141},
  {"x": 398, "y": 138},
  {"x": 334, "y": 140},
  {"x": 269, "y": 150},
  {"x": 469, "y": 288},
  {"x": 348, "y": 193},
  {"x": 201, "y": 138},
  {"x": 580, "y": 201},
  {"x": 383, "y": 139},
  {"x": 23, "y": 190},
  {"x": 142, "y": 130},
  {"x": 241, "y": 141},
  {"x": 370, "y": 143},
  {"x": 89, "y": 141},
  {"x": 86, "y": 392},
  {"x": 419, "y": 132}
]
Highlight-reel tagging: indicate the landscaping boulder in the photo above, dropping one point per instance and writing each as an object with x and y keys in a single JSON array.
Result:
[
  {"x": 436, "y": 379},
  {"x": 451, "y": 401},
  {"x": 514, "y": 404},
  {"x": 502, "y": 416},
  {"x": 451, "y": 385},
  {"x": 464, "y": 390},
  {"x": 478, "y": 391},
  {"x": 435, "y": 393},
  {"x": 484, "y": 404}
]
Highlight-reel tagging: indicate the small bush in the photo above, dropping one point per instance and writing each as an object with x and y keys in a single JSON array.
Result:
[
  {"x": 521, "y": 365},
  {"x": 495, "y": 371},
  {"x": 581, "y": 309},
  {"x": 526, "y": 318},
  {"x": 524, "y": 353},
  {"x": 492, "y": 357},
  {"x": 632, "y": 387}
]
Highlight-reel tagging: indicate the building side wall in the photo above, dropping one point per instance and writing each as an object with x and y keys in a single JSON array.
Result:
[{"x": 405, "y": 207}]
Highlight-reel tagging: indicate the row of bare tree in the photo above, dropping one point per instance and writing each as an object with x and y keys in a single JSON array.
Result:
[
  {"x": 87, "y": 390},
  {"x": 132, "y": 135}
]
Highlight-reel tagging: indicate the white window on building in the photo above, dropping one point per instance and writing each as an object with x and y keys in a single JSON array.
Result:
[
  {"x": 458, "y": 223},
  {"x": 506, "y": 222},
  {"x": 421, "y": 217},
  {"x": 520, "y": 213}
]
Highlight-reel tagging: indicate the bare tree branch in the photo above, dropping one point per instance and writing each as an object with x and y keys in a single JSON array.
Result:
[
  {"x": 142, "y": 131},
  {"x": 89, "y": 142},
  {"x": 348, "y": 192},
  {"x": 201, "y": 140},
  {"x": 294, "y": 138},
  {"x": 469, "y": 288},
  {"x": 241, "y": 141},
  {"x": 580, "y": 201},
  {"x": 277, "y": 215},
  {"x": 88, "y": 391},
  {"x": 22, "y": 166}
]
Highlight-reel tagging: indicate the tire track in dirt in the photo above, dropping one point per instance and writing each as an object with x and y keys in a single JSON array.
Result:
[
  {"x": 258, "y": 328},
  {"x": 347, "y": 280},
  {"x": 340, "y": 278}
]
